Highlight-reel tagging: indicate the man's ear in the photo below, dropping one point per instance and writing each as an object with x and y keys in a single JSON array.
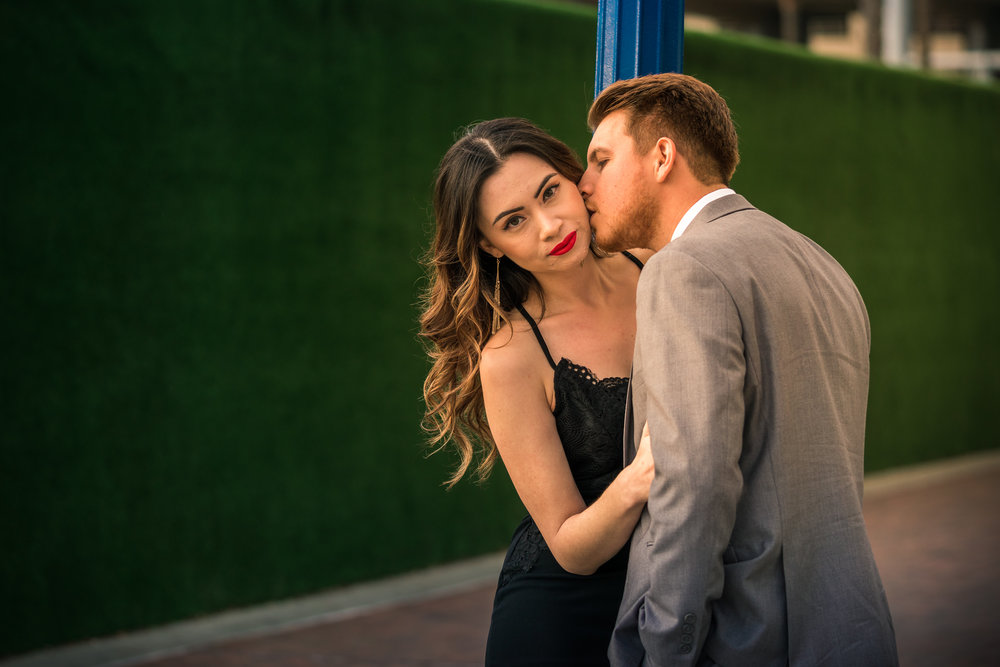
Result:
[
  {"x": 489, "y": 248},
  {"x": 664, "y": 154}
]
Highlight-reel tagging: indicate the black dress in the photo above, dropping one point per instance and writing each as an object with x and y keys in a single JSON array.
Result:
[{"x": 542, "y": 614}]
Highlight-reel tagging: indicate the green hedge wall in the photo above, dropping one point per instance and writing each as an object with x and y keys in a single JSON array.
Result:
[{"x": 211, "y": 220}]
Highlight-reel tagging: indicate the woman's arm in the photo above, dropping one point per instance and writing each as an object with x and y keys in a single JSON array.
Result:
[{"x": 581, "y": 538}]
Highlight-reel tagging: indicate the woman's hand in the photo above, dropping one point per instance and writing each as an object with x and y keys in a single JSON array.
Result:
[{"x": 641, "y": 468}]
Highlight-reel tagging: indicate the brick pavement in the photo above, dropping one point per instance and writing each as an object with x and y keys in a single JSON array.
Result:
[{"x": 937, "y": 548}]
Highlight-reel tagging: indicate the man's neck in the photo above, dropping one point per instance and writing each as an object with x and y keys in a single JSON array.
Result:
[{"x": 675, "y": 205}]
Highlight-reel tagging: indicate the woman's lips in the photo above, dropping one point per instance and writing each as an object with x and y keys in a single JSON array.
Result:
[{"x": 565, "y": 245}]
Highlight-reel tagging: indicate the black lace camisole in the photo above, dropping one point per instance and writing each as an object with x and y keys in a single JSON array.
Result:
[
  {"x": 590, "y": 419},
  {"x": 542, "y": 614}
]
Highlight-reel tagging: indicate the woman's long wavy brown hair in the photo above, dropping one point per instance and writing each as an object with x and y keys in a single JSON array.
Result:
[{"x": 458, "y": 304}]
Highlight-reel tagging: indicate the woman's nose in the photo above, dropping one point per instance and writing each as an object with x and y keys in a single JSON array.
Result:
[{"x": 551, "y": 222}]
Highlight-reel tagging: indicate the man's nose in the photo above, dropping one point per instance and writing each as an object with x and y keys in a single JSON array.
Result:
[{"x": 585, "y": 186}]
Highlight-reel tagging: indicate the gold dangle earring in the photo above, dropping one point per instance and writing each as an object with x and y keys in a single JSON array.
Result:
[{"x": 496, "y": 300}]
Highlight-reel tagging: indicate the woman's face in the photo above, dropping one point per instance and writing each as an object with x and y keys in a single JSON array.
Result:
[{"x": 534, "y": 215}]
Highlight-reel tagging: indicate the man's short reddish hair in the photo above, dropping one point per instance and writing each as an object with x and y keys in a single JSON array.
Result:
[{"x": 682, "y": 108}]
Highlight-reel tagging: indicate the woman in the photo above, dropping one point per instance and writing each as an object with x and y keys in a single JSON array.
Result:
[{"x": 514, "y": 279}]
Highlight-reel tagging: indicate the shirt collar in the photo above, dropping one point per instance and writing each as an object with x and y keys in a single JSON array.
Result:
[{"x": 696, "y": 209}]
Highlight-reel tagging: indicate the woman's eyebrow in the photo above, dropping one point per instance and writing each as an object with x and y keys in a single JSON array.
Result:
[
  {"x": 544, "y": 181},
  {"x": 503, "y": 213}
]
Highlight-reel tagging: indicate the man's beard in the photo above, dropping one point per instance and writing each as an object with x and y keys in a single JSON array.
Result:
[{"x": 634, "y": 228}]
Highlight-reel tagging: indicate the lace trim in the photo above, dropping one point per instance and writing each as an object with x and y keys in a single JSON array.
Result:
[
  {"x": 606, "y": 386},
  {"x": 588, "y": 376},
  {"x": 524, "y": 554}
]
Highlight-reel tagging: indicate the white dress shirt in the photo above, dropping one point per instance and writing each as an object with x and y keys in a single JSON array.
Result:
[{"x": 696, "y": 209}]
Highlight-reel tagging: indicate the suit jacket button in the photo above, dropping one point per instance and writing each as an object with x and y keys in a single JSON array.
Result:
[
  {"x": 687, "y": 639},
  {"x": 685, "y": 648},
  {"x": 690, "y": 618},
  {"x": 687, "y": 628}
]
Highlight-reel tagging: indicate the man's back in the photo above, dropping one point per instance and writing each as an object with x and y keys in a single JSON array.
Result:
[{"x": 757, "y": 377}]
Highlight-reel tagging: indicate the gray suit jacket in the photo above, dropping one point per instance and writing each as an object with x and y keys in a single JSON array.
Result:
[{"x": 751, "y": 367}]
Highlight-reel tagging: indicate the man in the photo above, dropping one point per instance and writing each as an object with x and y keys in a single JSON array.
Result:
[{"x": 751, "y": 369}]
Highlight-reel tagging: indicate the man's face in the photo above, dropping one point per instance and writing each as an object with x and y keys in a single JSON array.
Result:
[{"x": 616, "y": 188}]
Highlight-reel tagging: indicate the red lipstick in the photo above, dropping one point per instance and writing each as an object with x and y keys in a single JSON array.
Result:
[{"x": 565, "y": 245}]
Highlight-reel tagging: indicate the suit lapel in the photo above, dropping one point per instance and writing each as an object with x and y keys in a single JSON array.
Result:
[
  {"x": 627, "y": 448},
  {"x": 719, "y": 208}
]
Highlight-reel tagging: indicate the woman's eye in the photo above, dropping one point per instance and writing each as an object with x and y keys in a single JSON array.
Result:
[
  {"x": 550, "y": 192},
  {"x": 513, "y": 221}
]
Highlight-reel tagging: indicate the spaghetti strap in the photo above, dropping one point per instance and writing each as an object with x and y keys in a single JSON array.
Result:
[
  {"x": 538, "y": 334},
  {"x": 635, "y": 260}
]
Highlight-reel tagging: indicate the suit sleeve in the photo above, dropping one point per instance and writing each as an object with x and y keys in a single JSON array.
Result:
[{"x": 693, "y": 364}]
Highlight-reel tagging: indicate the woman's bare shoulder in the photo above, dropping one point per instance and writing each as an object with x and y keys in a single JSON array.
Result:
[{"x": 509, "y": 352}]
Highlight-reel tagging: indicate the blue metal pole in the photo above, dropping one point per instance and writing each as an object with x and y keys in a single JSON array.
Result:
[{"x": 636, "y": 37}]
